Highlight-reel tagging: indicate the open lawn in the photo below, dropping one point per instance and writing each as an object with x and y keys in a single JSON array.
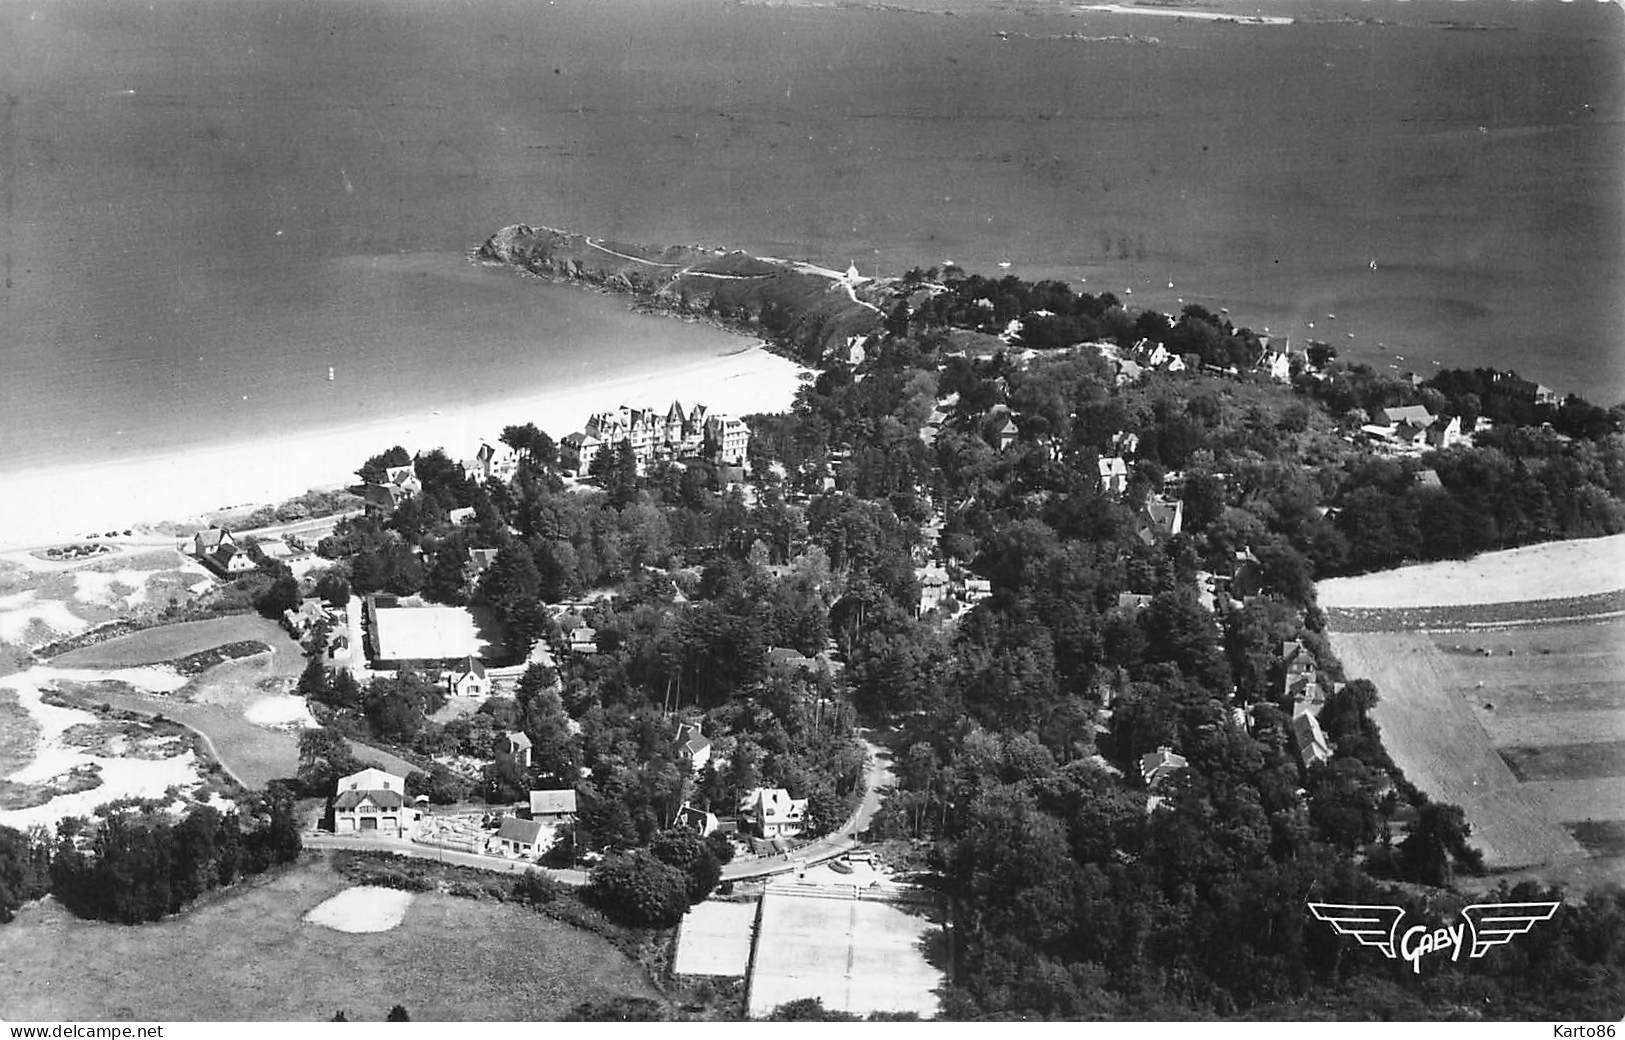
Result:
[
  {"x": 168, "y": 642},
  {"x": 221, "y": 702},
  {"x": 248, "y": 954}
]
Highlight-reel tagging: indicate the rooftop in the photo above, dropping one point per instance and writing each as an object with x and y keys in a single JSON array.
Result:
[{"x": 426, "y": 634}]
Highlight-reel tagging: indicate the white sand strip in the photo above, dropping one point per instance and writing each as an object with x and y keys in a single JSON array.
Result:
[
  {"x": 121, "y": 778},
  {"x": 52, "y": 757},
  {"x": 62, "y": 503},
  {"x": 288, "y": 710},
  {"x": 1555, "y": 570},
  {"x": 19, "y": 611}
]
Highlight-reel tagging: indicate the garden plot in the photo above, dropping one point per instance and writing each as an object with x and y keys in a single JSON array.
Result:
[{"x": 1524, "y": 728}]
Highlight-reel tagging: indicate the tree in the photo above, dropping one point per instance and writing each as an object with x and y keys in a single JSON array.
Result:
[
  {"x": 281, "y": 596},
  {"x": 334, "y": 587},
  {"x": 639, "y": 889},
  {"x": 808, "y": 1009},
  {"x": 531, "y": 443},
  {"x": 535, "y": 888},
  {"x": 398, "y": 1014},
  {"x": 373, "y": 470},
  {"x": 324, "y": 757},
  {"x": 692, "y": 854},
  {"x": 313, "y": 681}
]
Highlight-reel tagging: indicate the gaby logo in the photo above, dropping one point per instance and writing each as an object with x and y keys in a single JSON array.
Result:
[{"x": 1486, "y": 925}]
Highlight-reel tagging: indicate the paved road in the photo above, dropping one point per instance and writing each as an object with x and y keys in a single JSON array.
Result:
[{"x": 877, "y": 776}]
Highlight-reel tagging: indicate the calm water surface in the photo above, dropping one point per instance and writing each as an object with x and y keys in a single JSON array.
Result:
[{"x": 203, "y": 206}]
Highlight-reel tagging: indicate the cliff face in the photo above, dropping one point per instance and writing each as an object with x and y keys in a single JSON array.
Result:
[{"x": 804, "y": 310}]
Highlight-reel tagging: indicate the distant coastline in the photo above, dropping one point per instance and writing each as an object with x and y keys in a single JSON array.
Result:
[
  {"x": 800, "y": 308},
  {"x": 55, "y": 504}
]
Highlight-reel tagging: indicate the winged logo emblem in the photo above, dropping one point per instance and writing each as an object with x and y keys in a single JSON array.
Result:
[{"x": 1487, "y": 925}]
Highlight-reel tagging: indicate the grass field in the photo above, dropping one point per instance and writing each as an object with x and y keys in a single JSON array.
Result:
[
  {"x": 1523, "y": 727},
  {"x": 450, "y": 959},
  {"x": 857, "y": 955},
  {"x": 1553, "y": 570},
  {"x": 215, "y": 702},
  {"x": 167, "y": 642}
]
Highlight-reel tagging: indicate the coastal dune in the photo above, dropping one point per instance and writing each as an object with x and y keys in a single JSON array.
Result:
[{"x": 63, "y": 503}]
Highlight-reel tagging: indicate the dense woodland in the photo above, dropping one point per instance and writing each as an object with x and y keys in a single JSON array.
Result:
[
  {"x": 1017, "y": 724},
  {"x": 136, "y": 863}
]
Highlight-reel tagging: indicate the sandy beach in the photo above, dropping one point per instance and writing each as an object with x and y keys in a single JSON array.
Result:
[
  {"x": 1554, "y": 570},
  {"x": 67, "y": 503}
]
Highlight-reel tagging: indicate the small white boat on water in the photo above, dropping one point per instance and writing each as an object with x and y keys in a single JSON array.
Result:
[
  {"x": 329, "y": 373},
  {"x": 1004, "y": 265}
]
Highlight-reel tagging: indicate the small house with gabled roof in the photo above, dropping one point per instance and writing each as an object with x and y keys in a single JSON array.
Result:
[
  {"x": 520, "y": 839},
  {"x": 693, "y": 745},
  {"x": 468, "y": 679},
  {"x": 514, "y": 747},
  {"x": 1311, "y": 740},
  {"x": 1158, "y": 765}
]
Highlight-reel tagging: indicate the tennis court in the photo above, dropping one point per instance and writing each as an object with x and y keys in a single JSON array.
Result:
[
  {"x": 858, "y": 953},
  {"x": 715, "y": 939}
]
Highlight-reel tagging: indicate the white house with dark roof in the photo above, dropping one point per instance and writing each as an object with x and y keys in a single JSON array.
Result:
[
  {"x": 701, "y": 820},
  {"x": 693, "y": 745},
  {"x": 491, "y": 462},
  {"x": 210, "y": 541},
  {"x": 468, "y": 679},
  {"x": 373, "y": 802},
  {"x": 771, "y": 813},
  {"x": 1113, "y": 474}
]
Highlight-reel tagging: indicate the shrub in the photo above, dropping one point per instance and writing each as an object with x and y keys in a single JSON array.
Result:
[
  {"x": 535, "y": 888},
  {"x": 638, "y": 889}
]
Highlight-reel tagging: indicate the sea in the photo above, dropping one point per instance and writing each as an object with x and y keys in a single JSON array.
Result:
[{"x": 205, "y": 206}]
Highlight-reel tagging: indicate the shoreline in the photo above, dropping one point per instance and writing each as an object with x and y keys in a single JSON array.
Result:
[{"x": 66, "y": 503}]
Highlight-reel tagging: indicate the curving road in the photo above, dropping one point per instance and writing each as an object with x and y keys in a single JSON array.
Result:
[{"x": 877, "y": 777}]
